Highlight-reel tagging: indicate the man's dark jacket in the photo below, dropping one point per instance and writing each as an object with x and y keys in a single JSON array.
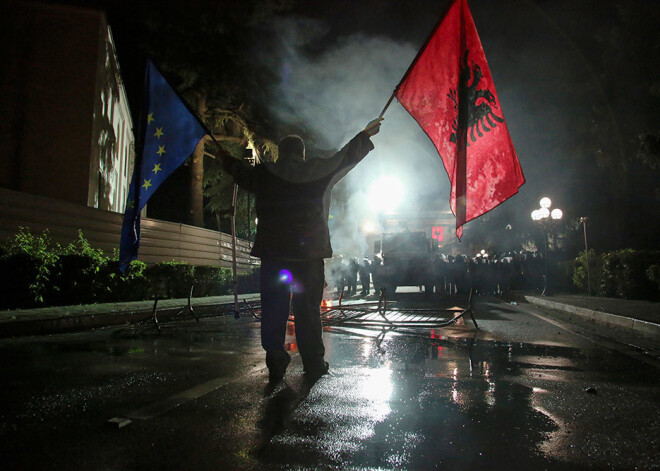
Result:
[{"x": 293, "y": 200}]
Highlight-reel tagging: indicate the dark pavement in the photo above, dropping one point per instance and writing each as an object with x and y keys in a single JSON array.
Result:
[
  {"x": 524, "y": 391},
  {"x": 637, "y": 317}
]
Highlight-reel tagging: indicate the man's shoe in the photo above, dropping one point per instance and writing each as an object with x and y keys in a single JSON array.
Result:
[
  {"x": 277, "y": 362},
  {"x": 318, "y": 370}
]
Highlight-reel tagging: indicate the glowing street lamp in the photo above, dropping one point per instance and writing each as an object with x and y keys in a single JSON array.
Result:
[
  {"x": 545, "y": 202},
  {"x": 543, "y": 215}
]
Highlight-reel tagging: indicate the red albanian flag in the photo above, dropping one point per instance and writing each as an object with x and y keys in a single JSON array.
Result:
[{"x": 449, "y": 91}]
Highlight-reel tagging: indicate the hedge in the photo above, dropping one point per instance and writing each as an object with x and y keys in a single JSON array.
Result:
[
  {"x": 36, "y": 272},
  {"x": 626, "y": 273}
]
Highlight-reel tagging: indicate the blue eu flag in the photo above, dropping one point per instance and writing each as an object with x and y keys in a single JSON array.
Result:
[{"x": 171, "y": 134}]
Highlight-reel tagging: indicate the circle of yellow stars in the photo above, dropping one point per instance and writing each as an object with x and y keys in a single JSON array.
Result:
[{"x": 161, "y": 150}]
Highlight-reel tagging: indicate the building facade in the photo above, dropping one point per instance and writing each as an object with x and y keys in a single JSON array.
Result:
[{"x": 66, "y": 131}]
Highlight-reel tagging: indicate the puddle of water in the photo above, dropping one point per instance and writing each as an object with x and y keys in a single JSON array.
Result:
[{"x": 434, "y": 402}]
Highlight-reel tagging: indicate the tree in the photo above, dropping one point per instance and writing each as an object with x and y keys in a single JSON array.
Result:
[
  {"x": 621, "y": 135},
  {"x": 203, "y": 48}
]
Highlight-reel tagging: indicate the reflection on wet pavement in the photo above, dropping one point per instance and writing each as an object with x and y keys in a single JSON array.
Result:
[
  {"x": 422, "y": 403},
  {"x": 431, "y": 399}
]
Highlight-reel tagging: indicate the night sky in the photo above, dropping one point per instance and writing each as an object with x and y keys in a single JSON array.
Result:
[{"x": 578, "y": 83}]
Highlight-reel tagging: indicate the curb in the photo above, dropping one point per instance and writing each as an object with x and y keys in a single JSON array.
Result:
[
  {"x": 638, "y": 326},
  {"x": 81, "y": 318}
]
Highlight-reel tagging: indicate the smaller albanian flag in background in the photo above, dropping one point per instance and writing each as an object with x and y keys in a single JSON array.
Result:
[{"x": 449, "y": 91}]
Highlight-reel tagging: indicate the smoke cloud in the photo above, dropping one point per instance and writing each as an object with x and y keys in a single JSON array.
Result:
[{"x": 335, "y": 93}]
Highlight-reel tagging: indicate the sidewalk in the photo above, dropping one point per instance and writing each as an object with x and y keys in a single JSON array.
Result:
[
  {"x": 640, "y": 317},
  {"x": 60, "y": 319}
]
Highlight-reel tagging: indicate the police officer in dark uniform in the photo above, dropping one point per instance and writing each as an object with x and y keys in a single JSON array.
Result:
[{"x": 364, "y": 271}]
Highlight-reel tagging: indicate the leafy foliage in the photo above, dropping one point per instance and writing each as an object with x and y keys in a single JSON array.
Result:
[
  {"x": 204, "y": 49},
  {"x": 595, "y": 264},
  {"x": 36, "y": 272},
  {"x": 625, "y": 273},
  {"x": 171, "y": 279},
  {"x": 26, "y": 266}
]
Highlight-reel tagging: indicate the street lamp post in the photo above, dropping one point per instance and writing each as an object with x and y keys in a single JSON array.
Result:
[
  {"x": 584, "y": 220},
  {"x": 543, "y": 216}
]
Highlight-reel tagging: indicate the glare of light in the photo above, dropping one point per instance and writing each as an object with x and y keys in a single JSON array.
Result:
[
  {"x": 377, "y": 388},
  {"x": 285, "y": 276},
  {"x": 536, "y": 215},
  {"x": 556, "y": 213},
  {"x": 544, "y": 213},
  {"x": 386, "y": 194},
  {"x": 545, "y": 202},
  {"x": 483, "y": 251},
  {"x": 256, "y": 220},
  {"x": 367, "y": 346},
  {"x": 369, "y": 227},
  {"x": 490, "y": 394}
]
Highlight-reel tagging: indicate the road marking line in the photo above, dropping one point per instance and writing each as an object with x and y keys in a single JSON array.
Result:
[{"x": 188, "y": 395}]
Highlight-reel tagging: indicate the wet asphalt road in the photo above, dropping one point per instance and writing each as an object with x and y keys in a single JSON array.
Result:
[{"x": 522, "y": 392}]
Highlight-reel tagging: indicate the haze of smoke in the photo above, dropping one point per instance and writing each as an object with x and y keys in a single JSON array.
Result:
[{"x": 335, "y": 94}]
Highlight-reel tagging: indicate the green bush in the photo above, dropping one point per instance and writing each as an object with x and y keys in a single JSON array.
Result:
[
  {"x": 561, "y": 276},
  {"x": 171, "y": 279},
  {"x": 595, "y": 271},
  {"x": 76, "y": 276},
  {"x": 653, "y": 273},
  {"x": 247, "y": 282},
  {"x": 27, "y": 265},
  {"x": 34, "y": 272},
  {"x": 625, "y": 273},
  {"x": 132, "y": 285},
  {"x": 211, "y": 281},
  {"x": 18, "y": 281}
]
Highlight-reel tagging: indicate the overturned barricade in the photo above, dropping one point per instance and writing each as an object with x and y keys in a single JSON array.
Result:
[{"x": 384, "y": 314}]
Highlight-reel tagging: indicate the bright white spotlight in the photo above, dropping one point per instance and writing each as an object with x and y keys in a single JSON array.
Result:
[
  {"x": 386, "y": 194},
  {"x": 369, "y": 227},
  {"x": 545, "y": 202}
]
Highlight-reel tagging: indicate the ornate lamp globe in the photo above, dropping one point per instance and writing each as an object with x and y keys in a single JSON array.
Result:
[{"x": 545, "y": 202}]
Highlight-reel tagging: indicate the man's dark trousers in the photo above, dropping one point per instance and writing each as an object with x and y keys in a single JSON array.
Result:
[{"x": 305, "y": 279}]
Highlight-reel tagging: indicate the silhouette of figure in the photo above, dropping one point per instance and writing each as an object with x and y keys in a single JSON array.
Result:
[
  {"x": 292, "y": 202},
  {"x": 364, "y": 271},
  {"x": 352, "y": 276}
]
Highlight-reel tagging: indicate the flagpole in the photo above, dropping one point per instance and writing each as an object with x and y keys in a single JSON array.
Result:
[
  {"x": 233, "y": 203},
  {"x": 387, "y": 105},
  {"x": 137, "y": 166},
  {"x": 215, "y": 141},
  {"x": 232, "y": 219},
  {"x": 233, "y": 247}
]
